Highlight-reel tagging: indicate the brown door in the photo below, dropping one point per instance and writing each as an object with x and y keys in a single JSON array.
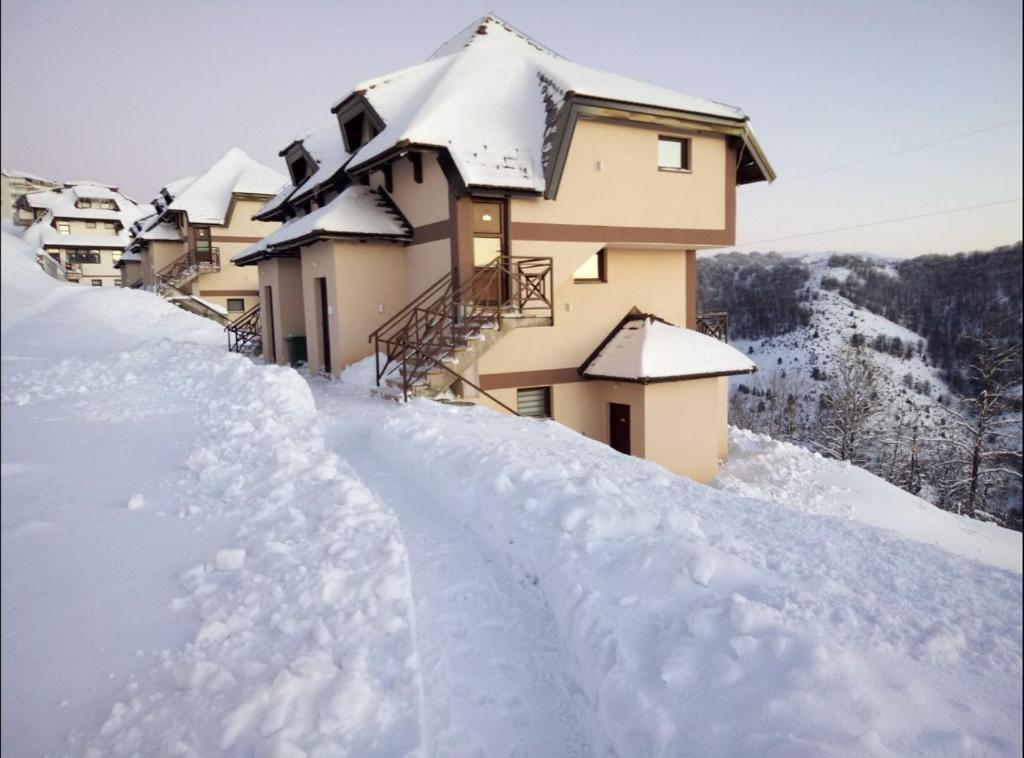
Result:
[
  {"x": 325, "y": 324},
  {"x": 618, "y": 420},
  {"x": 489, "y": 242},
  {"x": 203, "y": 250},
  {"x": 268, "y": 313}
]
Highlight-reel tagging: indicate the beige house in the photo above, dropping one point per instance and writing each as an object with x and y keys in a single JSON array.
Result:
[
  {"x": 502, "y": 226},
  {"x": 83, "y": 227},
  {"x": 13, "y": 186},
  {"x": 183, "y": 250}
]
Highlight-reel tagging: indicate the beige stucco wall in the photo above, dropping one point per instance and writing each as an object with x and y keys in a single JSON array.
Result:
[
  {"x": 611, "y": 178},
  {"x": 158, "y": 255},
  {"x": 425, "y": 264},
  {"x": 652, "y": 280},
  {"x": 683, "y": 426},
  {"x": 131, "y": 272},
  {"x": 284, "y": 277},
  {"x": 423, "y": 203},
  {"x": 365, "y": 285}
]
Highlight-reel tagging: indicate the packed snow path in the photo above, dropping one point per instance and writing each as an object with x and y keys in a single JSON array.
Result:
[{"x": 490, "y": 653}]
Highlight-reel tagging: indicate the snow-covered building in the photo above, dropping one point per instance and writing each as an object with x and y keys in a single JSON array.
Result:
[
  {"x": 489, "y": 218},
  {"x": 183, "y": 250},
  {"x": 13, "y": 186},
  {"x": 83, "y": 226}
]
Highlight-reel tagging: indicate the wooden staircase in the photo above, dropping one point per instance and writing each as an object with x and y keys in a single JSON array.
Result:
[{"x": 432, "y": 343}]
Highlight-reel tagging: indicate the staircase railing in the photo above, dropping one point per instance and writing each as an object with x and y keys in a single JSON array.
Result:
[
  {"x": 182, "y": 268},
  {"x": 417, "y": 339},
  {"x": 245, "y": 332},
  {"x": 714, "y": 325}
]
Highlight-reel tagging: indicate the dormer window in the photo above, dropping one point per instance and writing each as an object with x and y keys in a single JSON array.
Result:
[
  {"x": 673, "y": 154},
  {"x": 300, "y": 170},
  {"x": 354, "y": 131},
  {"x": 85, "y": 203}
]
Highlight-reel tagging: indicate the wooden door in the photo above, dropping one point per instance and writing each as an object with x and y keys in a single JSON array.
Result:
[
  {"x": 618, "y": 429},
  {"x": 203, "y": 249},
  {"x": 490, "y": 241}
]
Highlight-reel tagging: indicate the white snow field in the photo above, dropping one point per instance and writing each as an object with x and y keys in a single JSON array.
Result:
[{"x": 203, "y": 556}]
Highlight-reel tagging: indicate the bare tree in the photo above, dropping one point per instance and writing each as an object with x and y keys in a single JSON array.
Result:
[
  {"x": 983, "y": 442},
  {"x": 848, "y": 406}
]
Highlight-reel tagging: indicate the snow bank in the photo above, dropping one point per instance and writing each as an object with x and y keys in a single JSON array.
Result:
[
  {"x": 793, "y": 477},
  {"x": 24, "y": 282},
  {"x": 696, "y": 622},
  {"x": 258, "y": 604}
]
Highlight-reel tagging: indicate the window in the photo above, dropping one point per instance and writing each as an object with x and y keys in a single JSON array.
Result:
[
  {"x": 83, "y": 256},
  {"x": 236, "y": 304},
  {"x": 534, "y": 402},
  {"x": 85, "y": 203},
  {"x": 354, "y": 132},
  {"x": 97, "y": 282},
  {"x": 109, "y": 225},
  {"x": 90, "y": 224},
  {"x": 115, "y": 256},
  {"x": 63, "y": 227},
  {"x": 55, "y": 254},
  {"x": 593, "y": 269},
  {"x": 108, "y": 205},
  {"x": 673, "y": 154}
]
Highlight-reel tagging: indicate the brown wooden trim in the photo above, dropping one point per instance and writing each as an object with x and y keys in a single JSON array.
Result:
[
  {"x": 229, "y": 293},
  {"x": 660, "y": 379},
  {"x": 691, "y": 289},
  {"x": 526, "y": 379},
  {"x": 537, "y": 232},
  {"x": 233, "y": 238},
  {"x": 439, "y": 230},
  {"x": 461, "y": 219}
]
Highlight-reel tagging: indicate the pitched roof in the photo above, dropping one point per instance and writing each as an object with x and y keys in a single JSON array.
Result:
[
  {"x": 644, "y": 348},
  {"x": 489, "y": 96},
  {"x": 358, "y": 212},
  {"x": 206, "y": 199},
  {"x": 324, "y": 145},
  {"x": 61, "y": 203}
]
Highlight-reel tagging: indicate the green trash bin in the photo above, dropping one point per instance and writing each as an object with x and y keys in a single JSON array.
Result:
[{"x": 296, "y": 349}]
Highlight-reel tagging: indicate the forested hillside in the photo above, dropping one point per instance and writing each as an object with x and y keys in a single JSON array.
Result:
[{"x": 910, "y": 368}]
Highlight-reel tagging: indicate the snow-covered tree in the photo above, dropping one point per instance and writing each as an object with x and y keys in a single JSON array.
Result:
[
  {"x": 848, "y": 406},
  {"x": 982, "y": 446}
]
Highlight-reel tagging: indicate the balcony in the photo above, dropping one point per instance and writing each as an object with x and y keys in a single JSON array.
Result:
[{"x": 714, "y": 325}]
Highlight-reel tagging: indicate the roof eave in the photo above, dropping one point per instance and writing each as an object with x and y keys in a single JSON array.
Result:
[{"x": 677, "y": 378}]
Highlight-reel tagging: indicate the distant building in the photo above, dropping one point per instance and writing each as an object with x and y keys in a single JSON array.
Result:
[
  {"x": 16, "y": 184},
  {"x": 83, "y": 226},
  {"x": 506, "y": 227},
  {"x": 183, "y": 250}
]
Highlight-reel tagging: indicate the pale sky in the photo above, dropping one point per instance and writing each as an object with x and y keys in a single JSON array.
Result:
[{"x": 142, "y": 93}]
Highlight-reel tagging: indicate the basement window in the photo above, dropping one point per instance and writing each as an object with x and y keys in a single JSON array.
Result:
[
  {"x": 534, "y": 402},
  {"x": 592, "y": 270},
  {"x": 236, "y": 304},
  {"x": 673, "y": 154}
]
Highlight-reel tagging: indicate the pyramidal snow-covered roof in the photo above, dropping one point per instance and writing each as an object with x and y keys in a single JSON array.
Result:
[
  {"x": 357, "y": 212},
  {"x": 206, "y": 199},
  {"x": 645, "y": 348},
  {"x": 489, "y": 96}
]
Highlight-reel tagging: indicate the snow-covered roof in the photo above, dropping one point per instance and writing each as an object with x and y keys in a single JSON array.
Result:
[
  {"x": 488, "y": 95},
  {"x": 357, "y": 212},
  {"x": 645, "y": 348},
  {"x": 60, "y": 203},
  {"x": 15, "y": 174},
  {"x": 325, "y": 147},
  {"x": 207, "y": 198}
]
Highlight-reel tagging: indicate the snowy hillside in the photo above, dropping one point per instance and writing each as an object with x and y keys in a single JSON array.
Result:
[
  {"x": 202, "y": 555},
  {"x": 815, "y": 346}
]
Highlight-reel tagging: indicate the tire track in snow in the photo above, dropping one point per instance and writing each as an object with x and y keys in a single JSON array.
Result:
[{"x": 490, "y": 652}]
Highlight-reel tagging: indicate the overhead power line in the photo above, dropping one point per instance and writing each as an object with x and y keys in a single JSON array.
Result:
[
  {"x": 885, "y": 221},
  {"x": 901, "y": 151}
]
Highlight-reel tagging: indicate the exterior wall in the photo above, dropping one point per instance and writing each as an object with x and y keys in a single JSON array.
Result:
[
  {"x": 365, "y": 287},
  {"x": 103, "y": 271},
  {"x": 611, "y": 178},
  {"x": 284, "y": 277},
  {"x": 425, "y": 264},
  {"x": 11, "y": 190},
  {"x": 131, "y": 272},
  {"x": 81, "y": 226},
  {"x": 683, "y": 426},
  {"x": 652, "y": 280},
  {"x": 423, "y": 203},
  {"x": 158, "y": 255}
]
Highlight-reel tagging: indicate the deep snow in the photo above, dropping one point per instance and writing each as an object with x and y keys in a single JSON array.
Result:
[{"x": 204, "y": 555}]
